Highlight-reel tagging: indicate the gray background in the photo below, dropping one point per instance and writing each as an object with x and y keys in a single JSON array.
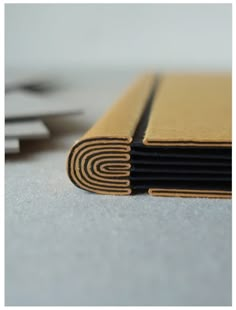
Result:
[
  {"x": 158, "y": 36},
  {"x": 65, "y": 246}
]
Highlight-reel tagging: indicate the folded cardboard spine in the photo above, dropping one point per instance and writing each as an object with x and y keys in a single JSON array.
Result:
[{"x": 100, "y": 161}]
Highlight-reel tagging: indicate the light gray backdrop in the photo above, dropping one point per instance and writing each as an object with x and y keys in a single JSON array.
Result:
[{"x": 160, "y": 36}]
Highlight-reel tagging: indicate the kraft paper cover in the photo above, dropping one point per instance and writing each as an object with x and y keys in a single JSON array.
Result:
[{"x": 168, "y": 135}]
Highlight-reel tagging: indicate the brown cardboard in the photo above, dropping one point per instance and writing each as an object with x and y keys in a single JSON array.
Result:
[
  {"x": 192, "y": 110},
  {"x": 110, "y": 137},
  {"x": 186, "y": 111}
]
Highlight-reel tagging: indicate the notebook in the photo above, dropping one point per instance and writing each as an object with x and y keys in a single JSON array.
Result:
[{"x": 168, "y": 135}]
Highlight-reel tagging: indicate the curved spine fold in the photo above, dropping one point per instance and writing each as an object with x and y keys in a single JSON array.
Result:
[{"x": 101, "y": 165}]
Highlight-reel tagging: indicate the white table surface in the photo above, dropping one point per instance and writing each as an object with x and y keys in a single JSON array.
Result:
[{"x": 65, "y": 246}]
